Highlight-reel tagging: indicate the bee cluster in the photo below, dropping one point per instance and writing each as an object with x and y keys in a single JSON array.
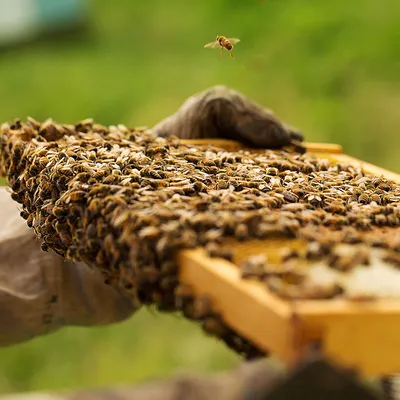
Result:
[
  {"x": 329, "y": 269},
  {"x": 124, "y": 200}
]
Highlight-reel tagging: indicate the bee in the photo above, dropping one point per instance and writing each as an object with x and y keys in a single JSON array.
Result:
[
  {"x": 212, "y": 235},
  {"x": 199, "y": 186},
  {"x": 91, "y": 231},
  {"x": 323, "y": 164},
  {"x": 392, "y": 258},
  {"x": 342, "y": 259},
  {"x": 213, "y": 325},
  {"x": 44, "y": 247},
  {"x": 110, "y": 179},
  {"x": 211, "y": 170},
  {"x": 168, "y": 283},
  {"x": 60, "y": 226},
  {"x": 298, "y": 191},
  {"x": 315, "y": 199},
  {"x": 148, "y": 172},
  {"x": 377, "y": 241},
  {"x": 149, "y": 274},
  {"x": 150, "y": 233},
  {"x": 183, "y": 295},
  {"x": 24, "y": 214},
  {"x": 84, "y": 125},
  {"x": 336, "y": 207},
  {"x": 93, "y": 207},
  {"x": 75, "y": 196},
  {"x": 67, "y": 239},
  {"x": 314, "y": 251},
  {"x": 29, "y": 220},
  {"x": 351, "y": 236},
  {"x": 363, "y": 223},
  {"x": 192, "y": 158},
  {"x": 290, "y": 197},
  {"x": 99, "y": 190},
  {"x": 393, "y": 220},
  {"x": 31, "y": 183},
  {"x": 202, "y": 308},
  {"x": 275, "y": 182},
  {"x": 288, "y": 227},
  {"x": 208, "y": 162},
  {"x": 83, "y": 177},
  {"x": 363, "y": 255},
  {"x": 241, "y": 232},
  {"x": 376, "y": 198},
  {"x": 272, "y": 171},
  {"x": 307, "y": 168},
  {"x": 157, "y": 150},
  {"x": 380, "y": 219},
  {"x": 387, "y": 199},
  {"x": 364, "y": 198},
  {"x": 254, "y": 266},
  {"x": 214, "y": 250},
  {"x": 109, "y": 246},
  {"x": 335, "y": 221},
  {"x": 99, "y": 174},
  {"x": 288, "y": 253},
  {"x": 223, "y": 43},
  {"x": 385, "y": 186},
  {"x": 267, "y": 230},
  {"x": 101, "y": 229}
]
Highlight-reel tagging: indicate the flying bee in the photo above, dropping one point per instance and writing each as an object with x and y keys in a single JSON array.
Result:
[{"x": 223, "y": 43}]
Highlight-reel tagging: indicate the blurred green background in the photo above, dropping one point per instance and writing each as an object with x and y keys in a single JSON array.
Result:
[{"x": 331, "y": 68}]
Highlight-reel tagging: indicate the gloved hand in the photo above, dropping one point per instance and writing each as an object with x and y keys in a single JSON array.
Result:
[
  {"x": 220, "y": 112},
  {"x": 40, "y": 292}
]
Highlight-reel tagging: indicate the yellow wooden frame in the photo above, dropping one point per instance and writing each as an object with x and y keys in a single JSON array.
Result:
[{"x": 361, "y": 335}]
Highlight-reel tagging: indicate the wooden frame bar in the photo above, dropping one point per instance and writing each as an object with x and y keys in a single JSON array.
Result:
[{"x": 365, "y": 336}]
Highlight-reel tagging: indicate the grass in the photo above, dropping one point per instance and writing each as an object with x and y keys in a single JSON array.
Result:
[
  {"x": 330, "y": 68},
  {"x": 146, "y": 346}
]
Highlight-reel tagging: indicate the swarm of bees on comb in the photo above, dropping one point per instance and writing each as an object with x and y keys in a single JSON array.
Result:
[{"x": 125, "y": 201}]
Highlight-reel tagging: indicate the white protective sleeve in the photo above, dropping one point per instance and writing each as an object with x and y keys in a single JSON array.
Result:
[{"x": 41, "y": 292}]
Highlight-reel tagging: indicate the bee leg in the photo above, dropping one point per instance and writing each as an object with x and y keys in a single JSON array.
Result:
[
  {"x": 220, "y": 54},
  {"x": 230, "y": 53}
]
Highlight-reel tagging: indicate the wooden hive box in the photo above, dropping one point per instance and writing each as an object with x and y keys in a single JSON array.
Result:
[{"x": 364, "y": 336}]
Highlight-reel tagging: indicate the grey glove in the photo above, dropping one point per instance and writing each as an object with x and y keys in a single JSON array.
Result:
[
  {"x": 221, "y": 112},
  {"x": 40, "y": 292}
]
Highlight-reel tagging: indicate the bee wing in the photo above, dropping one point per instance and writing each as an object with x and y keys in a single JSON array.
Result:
[
  {"x": 234, "y": 40},
  {"x": 211, "y": 45}
]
